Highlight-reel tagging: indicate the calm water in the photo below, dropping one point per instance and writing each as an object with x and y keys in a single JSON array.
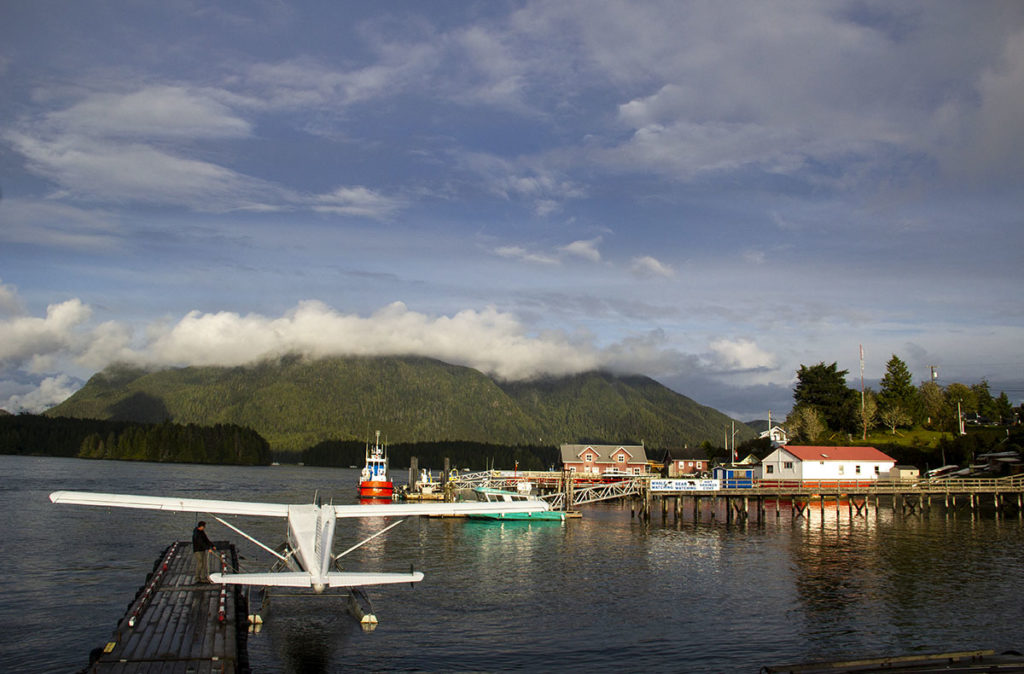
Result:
[{"x": 601, "y": 593}]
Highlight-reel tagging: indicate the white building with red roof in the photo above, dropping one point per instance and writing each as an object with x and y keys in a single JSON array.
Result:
[{"x": 825, "y": 464}]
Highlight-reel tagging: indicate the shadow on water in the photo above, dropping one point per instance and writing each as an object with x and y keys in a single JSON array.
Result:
[{"x": 305, "y": 633}]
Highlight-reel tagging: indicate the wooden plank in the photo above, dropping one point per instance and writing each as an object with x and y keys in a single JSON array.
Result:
[{"x": 176, "y": 628}]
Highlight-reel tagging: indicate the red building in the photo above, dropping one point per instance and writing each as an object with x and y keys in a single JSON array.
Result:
[{"x": 604, "y": 459}]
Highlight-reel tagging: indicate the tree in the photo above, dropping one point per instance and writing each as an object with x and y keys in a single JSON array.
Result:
[
  {"x": 960, "y": 400},
  {"x": 824, "y": 388},
  {"x": 986, "y": 404},
  {"x": 870, "y": 409},
  {"x": 933, "y": 402},
  {"x": 805, "y": 423},
  {"x": 894, "y": 416},
  {"x": 1004, "y": 408},
  {"x": 897, "y": 391}
]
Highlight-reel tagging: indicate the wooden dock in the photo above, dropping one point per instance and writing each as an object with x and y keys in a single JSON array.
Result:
[
  {"x": 175, "y": 626},
  {"x": 1003, "y": 496}
]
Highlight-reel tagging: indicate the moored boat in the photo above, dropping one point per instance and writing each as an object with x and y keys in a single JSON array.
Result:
[
  {"x": 491, "y": 495},
  {"x": 374, "y": 481}
]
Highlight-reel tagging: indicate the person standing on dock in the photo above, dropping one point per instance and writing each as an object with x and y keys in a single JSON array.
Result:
[{"x": 201, "y": 546}]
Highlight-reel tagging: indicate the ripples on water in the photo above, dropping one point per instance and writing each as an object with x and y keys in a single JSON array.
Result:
[{"x": 600, "y": 593}]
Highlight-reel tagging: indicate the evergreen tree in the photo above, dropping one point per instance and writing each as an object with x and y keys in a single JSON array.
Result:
[
  {"x": 824, "y": 388},
  {"x": 898, "y": 398},
  {"x": 985, "y": 402}
]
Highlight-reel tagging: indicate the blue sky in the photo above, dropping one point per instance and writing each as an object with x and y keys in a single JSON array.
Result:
[{"x": 708, "y": 193}]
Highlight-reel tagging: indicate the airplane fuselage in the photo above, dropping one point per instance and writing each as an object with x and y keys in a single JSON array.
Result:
[{"x": 311, "y": 537}]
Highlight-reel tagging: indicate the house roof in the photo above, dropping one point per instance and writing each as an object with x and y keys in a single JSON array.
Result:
[
  {"x": 603, "y": 453},
  {"x": 685, "y": 453},
  {"x": 816, "y": 453}
]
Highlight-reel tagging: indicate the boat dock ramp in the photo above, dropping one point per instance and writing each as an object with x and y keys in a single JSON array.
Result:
[{"x": 174, "y": 625}]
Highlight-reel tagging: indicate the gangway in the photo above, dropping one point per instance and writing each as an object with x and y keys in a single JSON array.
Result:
[
  {"x": 597, "y": 492},
  {"x": 583, "y": 491}
]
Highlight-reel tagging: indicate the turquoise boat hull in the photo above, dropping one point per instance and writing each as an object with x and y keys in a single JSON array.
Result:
[{"x": 544, "y": 516}]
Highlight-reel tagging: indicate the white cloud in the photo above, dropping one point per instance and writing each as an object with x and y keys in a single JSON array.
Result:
[
  {"x": 357, "y": 201},
  {"x": 741, "y": 355},
  {"x": 520, "y": 253},
  {"x": 488, "y": 340},
  {"x": 51, "y": 391},
  {"x": 24, "y": 338},
  {"x": 151, "y": 112},
  {"x": 645, "y": 265},
  {"x": 584, "y": 249},
  {"x": 108, "y": 170}
]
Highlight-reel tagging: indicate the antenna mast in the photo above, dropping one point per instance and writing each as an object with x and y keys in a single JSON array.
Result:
[{"x": 863, "y": 410}]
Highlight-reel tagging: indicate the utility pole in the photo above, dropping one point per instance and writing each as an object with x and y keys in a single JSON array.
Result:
[{"x": 863, "y": 410}]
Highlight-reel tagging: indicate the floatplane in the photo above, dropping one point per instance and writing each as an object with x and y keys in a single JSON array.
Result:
[{"x": 308, "y": 560}]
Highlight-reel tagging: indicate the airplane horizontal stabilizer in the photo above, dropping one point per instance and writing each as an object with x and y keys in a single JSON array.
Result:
[
  {"x": 355, "y": 579},
  {"x": 275, "y": 579},
  {"x": 170, "y": 503}
]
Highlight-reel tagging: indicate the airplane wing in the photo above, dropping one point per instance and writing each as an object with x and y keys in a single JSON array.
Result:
[
  {"x": 170, "y": 503},
  {"x": 409, "y": 509},
  {"x": 173, "y": 503}
]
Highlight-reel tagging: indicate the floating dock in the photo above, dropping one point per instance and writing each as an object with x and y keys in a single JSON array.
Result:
[{"x": 174, "y": 625}]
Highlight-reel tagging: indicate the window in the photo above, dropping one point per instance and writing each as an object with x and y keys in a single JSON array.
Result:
[
  {"x": 636, "y": 471},
  {"x": 788, "y": 465},
  {"x": 842, "y": 469},
  {"x": 621, "y": 458},
  {"x": 877, "y": 470},
  {"x": 856, "y": 469},
  {"x": 590, "y": 457},
  {"x": 769, "y": 469}
]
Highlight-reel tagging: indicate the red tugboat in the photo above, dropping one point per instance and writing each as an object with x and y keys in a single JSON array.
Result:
[{"x": 374, "y": 482}]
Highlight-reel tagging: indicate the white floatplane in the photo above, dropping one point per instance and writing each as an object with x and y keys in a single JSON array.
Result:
[{"x": 309, "y": 557}]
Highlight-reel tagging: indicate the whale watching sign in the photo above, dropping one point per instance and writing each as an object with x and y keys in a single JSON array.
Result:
[{"x": 686, "y": 485}]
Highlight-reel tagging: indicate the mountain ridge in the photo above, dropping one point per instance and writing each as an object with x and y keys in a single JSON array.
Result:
[{"x": 296, "y": 402}]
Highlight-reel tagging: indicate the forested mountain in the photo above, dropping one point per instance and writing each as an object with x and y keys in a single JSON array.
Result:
[{"x": 296, "y": 403}]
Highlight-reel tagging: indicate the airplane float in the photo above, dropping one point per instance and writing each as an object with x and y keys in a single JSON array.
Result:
[{"x": 309, "y": 558}]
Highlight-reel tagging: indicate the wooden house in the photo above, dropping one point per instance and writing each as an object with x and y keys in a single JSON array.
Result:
[
  {"x": 825, "y": 464},
  {"x": 684, "y": 462},
  {"x": 601, "y": 459}
]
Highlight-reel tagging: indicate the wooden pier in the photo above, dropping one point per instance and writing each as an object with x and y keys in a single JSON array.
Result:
[
  {"x": 1003, "y": 496},
  {"x": 175, "y": 626}
]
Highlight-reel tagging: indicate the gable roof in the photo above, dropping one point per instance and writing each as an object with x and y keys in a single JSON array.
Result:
[
  {"x": 603, "y": 453},
  {"x": 819, "y": 453},
  {"x": 685, "y": 454}
]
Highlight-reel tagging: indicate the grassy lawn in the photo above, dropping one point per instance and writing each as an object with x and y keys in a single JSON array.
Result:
[{"x": 915, "y": 437}]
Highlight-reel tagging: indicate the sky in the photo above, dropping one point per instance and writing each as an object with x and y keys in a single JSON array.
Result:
[{"x": 711, "y": 194}]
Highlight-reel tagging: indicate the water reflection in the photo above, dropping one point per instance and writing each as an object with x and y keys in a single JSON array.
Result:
[{"x": 600, "y": 593}]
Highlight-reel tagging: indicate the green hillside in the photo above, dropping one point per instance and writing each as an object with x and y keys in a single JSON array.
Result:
[{"x": 296, "y": 403}]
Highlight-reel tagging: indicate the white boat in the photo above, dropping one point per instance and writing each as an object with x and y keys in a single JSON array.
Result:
[{"x": 491, "y": 495}]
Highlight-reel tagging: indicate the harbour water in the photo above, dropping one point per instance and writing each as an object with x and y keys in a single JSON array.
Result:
[{"x": 600, "y": 593}]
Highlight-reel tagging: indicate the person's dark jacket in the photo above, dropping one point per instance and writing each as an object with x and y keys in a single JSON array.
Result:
[{"x": 200, "y": 541}]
